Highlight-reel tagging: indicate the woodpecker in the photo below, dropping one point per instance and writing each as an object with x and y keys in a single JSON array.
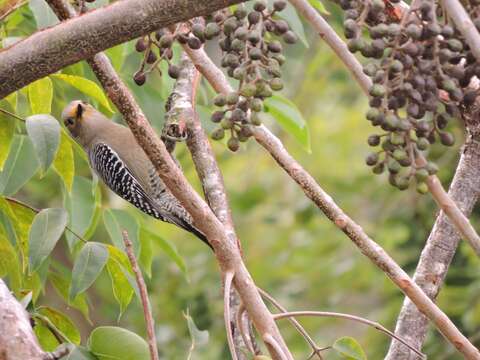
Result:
[{"x": 123, "y": 166}]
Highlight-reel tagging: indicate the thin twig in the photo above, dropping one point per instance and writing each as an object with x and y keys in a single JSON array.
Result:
[
  {"x": 242, "y": 330},
  {"x": 269, "y": 340},
  {"x": 228, "y": 276},
  {"x": 147, "y": 309},
  {"x": 315, "y": 348},
  {"x": 17, "y": 5},
  {"x": 325, "y": 203},
  {"x": 348, "y": 317},
  {"x": 6, "y": 112},
  {"x": 35, "y": 210}
]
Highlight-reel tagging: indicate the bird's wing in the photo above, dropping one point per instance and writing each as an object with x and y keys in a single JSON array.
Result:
[
  {"x": 161, "y": 204},
  {"x": 117, "y": 176}
]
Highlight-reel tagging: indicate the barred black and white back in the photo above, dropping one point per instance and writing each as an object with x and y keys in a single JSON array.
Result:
[{"x": 160, "y": 204}]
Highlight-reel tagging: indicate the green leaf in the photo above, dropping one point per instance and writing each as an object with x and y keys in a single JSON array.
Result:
[
  {"x": 61, "y": 283},
  {"x": 44, "y": 16},
  {"x": 349, "y": 348},
  {"x": 7, "y": 130},
  {"x": 88, "y": 265},
  {"x": 21, "y": 218},
  {"x": 20, "y": 166},
  {"x": 40, "y": 95},
  {"x": 118, "y": 220},
  {"x": 317, "y": 4},
  {"x": 115, "y": 343},
  {"x": 86, "y": 86},
  {"x": 83, "y": 206},
  {"x": 79, "y": 353},
  {"x": 167, "y": 247},
  {"x": 61, "y": 322},
  {"x": 64, "y": 163},
  {"x": 122, "y": 290},
  {"x": 289, "y": 117},
  {"x": 9, "y": 265},
  {"x": 47, "y": 340},
  {"x": 46, "y": 229},
  {"x": 12, "y": 100},
  {"x": 44, "y": 131},
  {"x": 290, "y": 15},
  {"x": 198, "y": 337}
]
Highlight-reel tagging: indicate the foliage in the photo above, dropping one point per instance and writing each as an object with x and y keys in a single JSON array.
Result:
[{"x": 290, "y": 248}]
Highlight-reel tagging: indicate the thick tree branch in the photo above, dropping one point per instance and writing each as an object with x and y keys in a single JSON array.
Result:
[
  {"x": 51, "y": 49},
  {"x": 182, "y": 113},
  {"x": 439, "y": 251},
  {"x": 325, "y": 203},
  {"x": 17, "y": 340},
  {"x": 223, "y": 241}
]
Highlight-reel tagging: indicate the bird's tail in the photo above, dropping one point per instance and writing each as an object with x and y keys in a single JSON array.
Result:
[{"x": 198, "y": 234}]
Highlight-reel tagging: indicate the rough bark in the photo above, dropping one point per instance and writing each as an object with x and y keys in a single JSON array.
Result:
[
  {"x": 49, "y": 50},
  {"x": 17, "y": 340},
  {"x": 440, "y": 248},
  {"x": 181, "y": 114}
]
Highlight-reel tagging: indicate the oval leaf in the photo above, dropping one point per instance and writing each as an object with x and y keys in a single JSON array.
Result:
[
  {"x": 118, "y": 220},
  {"x": 62, "y": 323},
  {"x": 88, "y": 265},
  {"x": 45, "y": 231},
  {"x": 86, "y": 86},
  {"x": 83, "y": 206},
  {"x": 122, "y": 290},
  {"x": 44, "y": 131},
  {"x": 7, "y": 129},
  {"x": 20, "y": 166},
  {"x": 40, "y": 95},
  {"x": 64, "y": 163},
  {"x": 79, "y": 353},
  {"x": 289, "y": 117},
  {"x": 110, "y": 342},
  {"x": 349, "y": 348}
]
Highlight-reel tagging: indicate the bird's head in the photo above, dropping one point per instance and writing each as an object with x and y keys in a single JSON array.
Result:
[{"x": 80, "y": 117}]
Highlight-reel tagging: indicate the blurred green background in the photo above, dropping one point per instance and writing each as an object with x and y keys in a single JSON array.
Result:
[{"x": 291, "y": 249}]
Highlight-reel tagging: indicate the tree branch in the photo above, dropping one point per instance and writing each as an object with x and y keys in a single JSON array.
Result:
[
  {"x": 325, "y": 203},
  {"x": 350, "y": 61},
  {"x": 182, "y": 113},
  {"x": 439, "y": 251},
  {"x": 49, "y": 50},
  {"x": 17, "y": 340},
  {"x": 462, "y": 21},
  {"x": 223, "y": 241},
  {"x": 147, "y": 308},
  {"x": 355, "y": 318}
]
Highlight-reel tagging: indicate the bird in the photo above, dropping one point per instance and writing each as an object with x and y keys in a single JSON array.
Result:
[{"x": 120, "y": 162}]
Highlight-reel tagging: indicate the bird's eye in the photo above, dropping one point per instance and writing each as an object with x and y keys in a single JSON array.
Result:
[{"x": 69, "y": 121}]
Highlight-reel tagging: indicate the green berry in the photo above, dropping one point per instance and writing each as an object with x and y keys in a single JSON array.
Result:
[
  {"x": 233, "y": 144},
  {"x": 371, "y": 159},
  {"x": 422, "y": 188},
  {"x": 232, "y": 98},
  {"x": 220, "y": 100},
  {"x": 421, "y": 174},
  {"x": 218, "y": 134},
  {"x": 276, "y": 84}
]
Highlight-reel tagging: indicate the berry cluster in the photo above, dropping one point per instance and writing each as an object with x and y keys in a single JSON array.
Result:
[
  {"x": 420, "y": 69},
  {"x": 252, "y": 54},
  {"x": 194, "y": 35}
]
